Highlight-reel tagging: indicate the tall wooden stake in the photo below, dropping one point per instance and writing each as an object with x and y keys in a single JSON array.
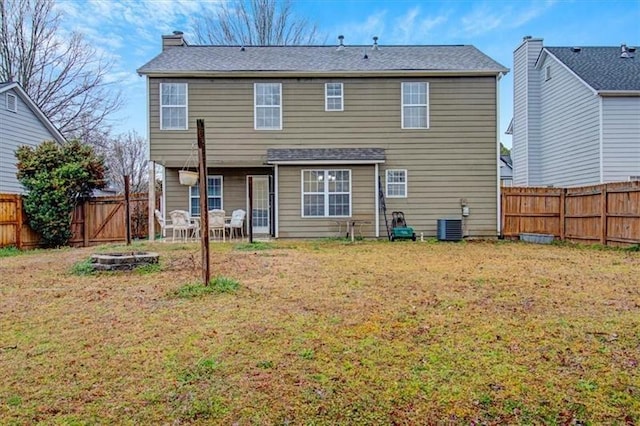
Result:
[
  {"x": 204, "y": 208},
  {"x": 127, "y": 208}
]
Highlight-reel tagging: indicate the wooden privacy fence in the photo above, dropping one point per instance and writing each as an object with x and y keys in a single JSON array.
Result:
[
  {"x": 96, "y": 221},
  {"x": 608, "y": 214}
]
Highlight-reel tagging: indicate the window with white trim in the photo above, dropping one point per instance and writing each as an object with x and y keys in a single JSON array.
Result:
[
  {"x": 326, "y": 193},
  {"x": 396, "y": 183},
  {"x": 415, "y": 105},
  {"x": 12, "y": 102},
  {"x": 214, "y": 195},
  {"x": 268, "y": 106},
  {"x": 334, "y": 98},
  {"x": 173, "y": 106}
]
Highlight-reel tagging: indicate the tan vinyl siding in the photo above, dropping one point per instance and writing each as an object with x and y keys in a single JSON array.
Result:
[
  {"x": 455, "y": 158},
  {"x": 234, "y": 188},
  {"x": 292, "y": 224}
]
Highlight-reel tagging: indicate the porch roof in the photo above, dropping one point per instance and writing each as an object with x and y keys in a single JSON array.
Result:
[{"x": 325, "y": 155}]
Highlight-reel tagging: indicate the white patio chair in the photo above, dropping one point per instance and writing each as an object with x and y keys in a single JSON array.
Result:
[
  {"x": 182, "y": 224},
  {"x": 164, "y": 224},
  {"x": 216, "y": 223},
  {"x": 236, "y": 223}
]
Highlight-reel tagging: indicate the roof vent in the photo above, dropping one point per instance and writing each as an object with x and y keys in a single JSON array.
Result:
[
  {"x": 527, "y": 37},
  {"x": 375, "y": 43},
  {"x": 631, "y": 49},
  {"x": 242, "y": 49},
  {"x": 625, "y": 52},
  {"x": 178, "y": 33},
  {"x": 364, "y": 54},
  {"x": 341, "y": 46},
  {"x": 576, "y": 49}
]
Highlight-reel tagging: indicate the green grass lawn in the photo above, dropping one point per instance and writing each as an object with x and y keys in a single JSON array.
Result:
[{"x": 324, "y": 332}]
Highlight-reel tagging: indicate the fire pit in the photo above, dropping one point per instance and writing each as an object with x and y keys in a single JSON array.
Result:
[{"x": 122, "y": 261}]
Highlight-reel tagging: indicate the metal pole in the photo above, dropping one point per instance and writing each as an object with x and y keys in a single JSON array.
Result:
[
  {"x": 127, "y": 209},
  {"x": 250, "y": 209},
  {"x": 204, "y": 209}
]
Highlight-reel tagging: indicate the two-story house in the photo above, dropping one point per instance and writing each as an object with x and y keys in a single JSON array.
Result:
[
  {"x": 319, "y": 128},
  {"x": 576, "y": 115},
  {"x": 21, "y": 123}
]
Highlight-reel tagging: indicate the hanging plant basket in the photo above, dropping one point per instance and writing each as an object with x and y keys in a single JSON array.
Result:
[{"x": 187, "y": 177}]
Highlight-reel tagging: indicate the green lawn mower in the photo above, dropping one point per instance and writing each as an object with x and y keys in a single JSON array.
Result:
[{"x": 399, "y": 228}]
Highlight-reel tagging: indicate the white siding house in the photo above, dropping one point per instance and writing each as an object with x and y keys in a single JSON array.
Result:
[
  {"x": 21, "y": 123},
  {"x": 576, "y": 117}
]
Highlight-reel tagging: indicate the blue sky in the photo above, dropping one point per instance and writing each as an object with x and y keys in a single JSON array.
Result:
[{"x": 129, "y": 32}]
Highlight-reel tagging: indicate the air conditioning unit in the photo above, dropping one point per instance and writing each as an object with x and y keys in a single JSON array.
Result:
[{"x": 450, "y": 229}]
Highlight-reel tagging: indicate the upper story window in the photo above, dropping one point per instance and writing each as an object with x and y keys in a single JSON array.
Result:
[
  {"x": 396, "y": 183},
  {"x": 547, "y": 72},
  {"x": 12, "y": 102},
  {"x": 173, "y": 106},
  {"x": 214, "y": 195},
  {"x": 268, "y": 106},
  {"x": 415, "y": 105},
  {"x": 334, "y": 98},
  {"x": 326, "y": 193}
]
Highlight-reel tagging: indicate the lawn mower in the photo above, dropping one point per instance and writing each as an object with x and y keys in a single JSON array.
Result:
[{"x": 399, "y": 228}]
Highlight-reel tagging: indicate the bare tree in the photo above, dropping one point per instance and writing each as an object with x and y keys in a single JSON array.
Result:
[
  {"x": 66, "y": 78},
  {"x": 126, "y": 154},
  {"x": 254, "y": 22}
]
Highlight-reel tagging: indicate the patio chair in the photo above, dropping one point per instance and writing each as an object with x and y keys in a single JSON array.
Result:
[
  {"x": 164, "y": 225},
  {"x": 236, "y": 223},
  {"x": 183, "y": 225},
  {"x": 216, "y": 223}
]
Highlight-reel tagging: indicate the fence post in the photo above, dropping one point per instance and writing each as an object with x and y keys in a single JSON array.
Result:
[
  {"x": 19, "y": 222},
  {"x": 127, "y": 210},
  {"x": 563, "y": 200},
  {"x": 503, "y": 214},
  {"x": 85, "y": 223},
  {"x": 603, "y": 215}
]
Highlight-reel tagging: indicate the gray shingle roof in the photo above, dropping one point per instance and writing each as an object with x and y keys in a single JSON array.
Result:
[
  {"x": 601, "y": 67},
  {"x": 325, "y": 154},
  {"x": 200, "y": 59}
]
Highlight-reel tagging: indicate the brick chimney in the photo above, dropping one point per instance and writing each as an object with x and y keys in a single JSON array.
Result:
[{"x": 173, "y": 40}]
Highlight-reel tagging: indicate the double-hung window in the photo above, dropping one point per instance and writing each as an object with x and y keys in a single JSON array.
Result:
[
  {"x": 214, "y": 195},
  {"x": 334, "y": 97},
  {"x": 268, "y": 106},
  {"x": 326, "y": 193},
  {"x": 415, "y": 105},
  {"x": 396, "y": 183},
  {"x": 173, "y": 106}
]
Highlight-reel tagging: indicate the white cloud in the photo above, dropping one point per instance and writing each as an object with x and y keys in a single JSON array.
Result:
[
  {"x": 412, "y": 29},
  {"x": 487, "y": 17},
  {"x": 360, "y": 32}
]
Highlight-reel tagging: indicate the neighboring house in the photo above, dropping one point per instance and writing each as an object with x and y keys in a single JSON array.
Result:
[
  {"x": 317, "y": 127},
  {"x": 576, "y": 118},
  {"x": 21, "y": 123},
  {"x": 506, "y": 170}
]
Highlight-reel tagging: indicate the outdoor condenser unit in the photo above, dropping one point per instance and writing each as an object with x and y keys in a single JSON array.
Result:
[{"x": 449, "y": 229}]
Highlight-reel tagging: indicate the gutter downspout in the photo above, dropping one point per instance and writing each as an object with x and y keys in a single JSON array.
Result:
[{"x": 377, "y": 200}]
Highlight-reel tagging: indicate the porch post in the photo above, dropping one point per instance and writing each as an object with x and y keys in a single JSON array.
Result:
[
  {"x": 152, "y": 201},
  {"x": 275, "y": 200},
  {"x": 377, "y": 198}
]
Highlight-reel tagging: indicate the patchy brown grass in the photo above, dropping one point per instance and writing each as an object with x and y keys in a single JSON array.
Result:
[{"x": 326, "y": 332}]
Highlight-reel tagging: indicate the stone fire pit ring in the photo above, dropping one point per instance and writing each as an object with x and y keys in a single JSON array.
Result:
[{"x": 122, "y": 261}]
